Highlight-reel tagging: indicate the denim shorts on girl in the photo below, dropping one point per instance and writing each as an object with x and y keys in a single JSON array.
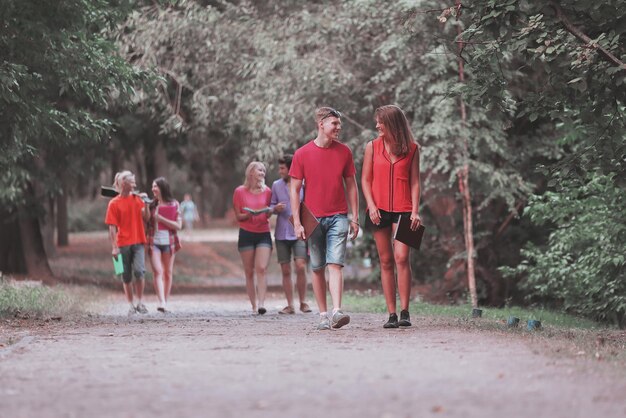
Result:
[
  {"x": 253, "y": 240},
  {"x": 327, "y": 244}
]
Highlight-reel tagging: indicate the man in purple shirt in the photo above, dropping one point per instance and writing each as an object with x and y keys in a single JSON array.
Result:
[{"x": 286, "y": 241}]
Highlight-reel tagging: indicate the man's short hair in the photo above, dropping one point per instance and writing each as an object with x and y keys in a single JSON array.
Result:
[
  {"x": 286, "y": 159},
  {"x": 322, "y": 113},
  {"x": 120, "y": 178}
]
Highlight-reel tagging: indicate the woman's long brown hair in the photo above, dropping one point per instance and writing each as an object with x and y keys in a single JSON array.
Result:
[
  {"x": 166, "y": 193},
  {"x": 399, "y": 134}
]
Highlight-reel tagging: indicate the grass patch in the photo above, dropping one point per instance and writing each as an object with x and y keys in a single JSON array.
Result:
[
  {"x": 375, "y": 303},
  {"x": 33, "y": 299}
]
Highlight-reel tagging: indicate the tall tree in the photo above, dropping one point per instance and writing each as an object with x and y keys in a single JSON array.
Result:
[
  {"x": 58, "y": 70},
  {"x": 571, "y": 57}
]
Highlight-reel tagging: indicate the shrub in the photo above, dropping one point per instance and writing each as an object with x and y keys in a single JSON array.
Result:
[
  {"x": 32, "y": 298},
  {"x": 582, "y": 266},
  {"x": 86, "y": 215}
]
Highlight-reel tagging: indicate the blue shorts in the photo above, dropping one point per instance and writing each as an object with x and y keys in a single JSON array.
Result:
[
  {"x": 162, "y": 248},
  {"x": 327, "y": 244},
  {"x": 253, "y": 240}
]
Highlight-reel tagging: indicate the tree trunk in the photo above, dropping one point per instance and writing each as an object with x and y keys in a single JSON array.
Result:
[
  {"x": 32, "y": 248},
  {"x": 11, "y": 255},
  {"x": 463, "y": 176},
  {"x": 22, "y": 249},
  {"x": 160, "y": 163},
  {"x": 62, "y": 224}
]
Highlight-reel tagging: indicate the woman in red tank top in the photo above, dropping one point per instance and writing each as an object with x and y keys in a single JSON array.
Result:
[{"x": 390, "y": 182}]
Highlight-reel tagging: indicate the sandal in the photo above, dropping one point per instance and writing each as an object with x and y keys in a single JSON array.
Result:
[
  {"x": 287, "y": 310},
  {"x": 304, "y": 307}
]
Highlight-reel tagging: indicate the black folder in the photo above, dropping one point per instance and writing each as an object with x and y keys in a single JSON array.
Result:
[
  {"x": 407, "y": 236},
  {"x": 307, "y": 219},
  {"x": 106, "y": 191}
]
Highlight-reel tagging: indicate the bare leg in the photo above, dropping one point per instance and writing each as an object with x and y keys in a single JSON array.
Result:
[
  {"x": 385, "y": 254},
  {"x": 401, "y": 255},
  {"x": 128, "y": 291},
  {"x": 139, "y": 286},
  {"x": 157, "y": 273},
  {"x": 168, "y": 270},
  {"x": 247, "y": 258},
  {"x": 287, "y": 285},
  {"x": 319, "y": 288},
  {"x": 335, "y": 284},
  {"x": 301, "y": 278},
  {"x": 261, "y": 261}
]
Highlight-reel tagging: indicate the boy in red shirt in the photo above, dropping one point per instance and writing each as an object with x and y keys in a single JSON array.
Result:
[
  {"x": 125, "y": 216},
  {"x": 327, "y": 168}
]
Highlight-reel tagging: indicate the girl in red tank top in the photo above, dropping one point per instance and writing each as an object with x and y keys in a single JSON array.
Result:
[{"x": 391, "y": 185}]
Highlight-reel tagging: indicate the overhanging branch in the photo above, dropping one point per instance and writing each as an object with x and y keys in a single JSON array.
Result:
[{"x": 605, "y": 53}]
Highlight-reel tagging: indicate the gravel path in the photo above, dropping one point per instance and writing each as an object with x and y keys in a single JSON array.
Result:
[{"x": 212, "y": 358}]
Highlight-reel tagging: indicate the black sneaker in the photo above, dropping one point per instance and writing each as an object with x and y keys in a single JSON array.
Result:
[
  {"x": 405, "y": 319},
  {"x": 392, "y": 322}
]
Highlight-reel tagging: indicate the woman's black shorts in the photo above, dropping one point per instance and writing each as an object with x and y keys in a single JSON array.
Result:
[
  {"x": 386, "y": 219},
  {"x": 252, "y": 240}
]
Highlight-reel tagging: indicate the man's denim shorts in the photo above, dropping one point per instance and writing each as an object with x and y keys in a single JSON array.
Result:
[{"x": 327, "y": 244}]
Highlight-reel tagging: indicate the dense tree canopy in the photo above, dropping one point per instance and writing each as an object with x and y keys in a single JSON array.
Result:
[{"x": 543, "y": 90}]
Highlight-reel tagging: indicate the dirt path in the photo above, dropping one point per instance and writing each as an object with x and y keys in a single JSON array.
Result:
[{"x": 212, "y": 358}]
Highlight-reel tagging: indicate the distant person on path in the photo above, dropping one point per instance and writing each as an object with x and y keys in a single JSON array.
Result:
[
  {"x": 125, "y": 217},
  {"x": 287, "y": 244},
  {"x": 327, "y": 168},
  {"x": 163, "y": 225},
  {"x": 251, "y": 206},
  {"x": 390, "y": 180},
  {"x": 190, "y": 214}
]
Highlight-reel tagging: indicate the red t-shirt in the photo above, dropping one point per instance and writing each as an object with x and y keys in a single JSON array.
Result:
[
  {"x": 245, "y": 198},
  {"x": 391, "y": 182},
  {"x": 323, "y": 171},
  {"x": 125, "y": 214}
]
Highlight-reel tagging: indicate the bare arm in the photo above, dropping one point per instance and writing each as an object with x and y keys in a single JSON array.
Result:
[
  {"x": 353, "y": 200},
  {"x": 239, "y": 214},
  {"x": 294, "y": 200},
  {"x": 415, "y": 190},
  {"x": 367, "y": 174},
  {"x": 113, "y": 237},
  {"x": 275, "y": 205},
  {"x": 145, "y": 210}
]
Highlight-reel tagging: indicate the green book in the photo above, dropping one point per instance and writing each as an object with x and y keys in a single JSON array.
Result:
[
  {"x": 256, "y": 211},
  {"x": 118, "y": 264}
]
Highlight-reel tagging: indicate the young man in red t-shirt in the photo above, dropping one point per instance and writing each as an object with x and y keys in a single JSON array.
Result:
[
  {"x": 125, "y": 216},
  {"x": 327, "y": 169}
]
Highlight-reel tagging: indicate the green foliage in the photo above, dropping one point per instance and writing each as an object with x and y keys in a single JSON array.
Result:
[
  {"x": 582, "y": 267},
  {"x": 558, "y": 69},
  {"x": 58, "y": 69},
  {"x": 86, "y": 215}
]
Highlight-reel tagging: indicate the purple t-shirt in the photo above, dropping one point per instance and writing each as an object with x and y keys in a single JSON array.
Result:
[{"x": 280, "y": 194}]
